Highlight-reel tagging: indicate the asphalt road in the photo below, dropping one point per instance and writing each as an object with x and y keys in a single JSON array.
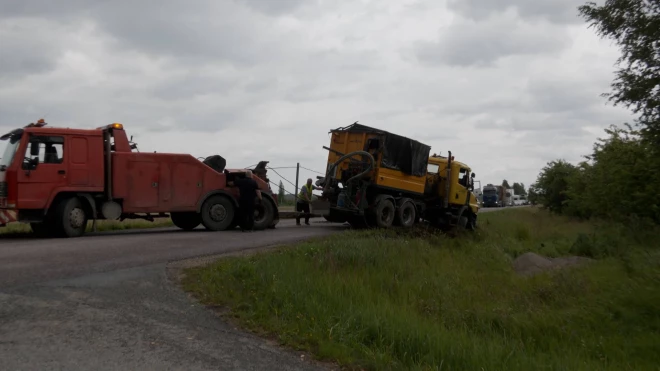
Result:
[{"x": 105, "y": 302}]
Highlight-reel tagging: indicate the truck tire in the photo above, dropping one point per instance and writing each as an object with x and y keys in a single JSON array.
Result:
[
  {"x": 385, "y": 213},
  {"x": 472, "y": 224},
  {"x": 406, "y": 215},
  {"x": 264, "y": 215},
  {"x": 70, "y": 218},
  {"x": 467, "y": 222},
  {"x": 186, "y": 220},
  {"x": 217, "y": 213}
]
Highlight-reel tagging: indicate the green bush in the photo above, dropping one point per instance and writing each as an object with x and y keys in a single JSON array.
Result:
[{"x": 615, "y": 183}]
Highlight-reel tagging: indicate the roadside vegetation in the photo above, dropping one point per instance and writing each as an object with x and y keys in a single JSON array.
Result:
[
  {"x": 393, "y": 299},
  {"x": 620, "y": 179},
  {"x": 101, "y": 225}
]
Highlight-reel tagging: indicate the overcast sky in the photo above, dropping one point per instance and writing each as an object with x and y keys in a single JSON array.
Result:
[{"x": 506, "y": 85}]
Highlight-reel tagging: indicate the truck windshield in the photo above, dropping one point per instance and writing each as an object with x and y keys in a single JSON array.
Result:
[
  {"x": 489, "y": 191},
  {"x": 11, "y": 145}
]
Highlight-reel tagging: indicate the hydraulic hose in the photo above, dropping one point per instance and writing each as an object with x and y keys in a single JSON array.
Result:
[{"x": 342, "y": 158}]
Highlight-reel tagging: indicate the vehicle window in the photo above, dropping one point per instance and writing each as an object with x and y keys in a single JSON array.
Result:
[
  {"x": 51, "y": 150},
  {"x": 464, "y": 177},
  {"x": 10, "y": 150},
  {"x": 432, "y": 168}
]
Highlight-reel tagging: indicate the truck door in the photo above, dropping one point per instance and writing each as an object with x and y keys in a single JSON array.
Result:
[
  {"x": 44, "y": 171},
  {"x": 461, "y": 191}
]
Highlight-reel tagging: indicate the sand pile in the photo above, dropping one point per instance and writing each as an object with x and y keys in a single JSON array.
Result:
[{"x": 530, "y": 263}]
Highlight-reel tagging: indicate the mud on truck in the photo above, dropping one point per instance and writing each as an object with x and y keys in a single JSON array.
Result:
[
  {"x": 57, "y": 179},
  {"x": 378, "y": 179}
]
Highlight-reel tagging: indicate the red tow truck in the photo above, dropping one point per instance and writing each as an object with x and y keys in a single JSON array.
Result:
[{"x": 57, "y": 179}]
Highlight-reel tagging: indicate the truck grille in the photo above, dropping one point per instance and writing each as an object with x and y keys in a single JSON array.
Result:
[{"x": 3, "y": 189}]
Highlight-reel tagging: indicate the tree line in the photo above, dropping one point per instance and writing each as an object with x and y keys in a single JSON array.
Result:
[{"x": 620, "y": 179}]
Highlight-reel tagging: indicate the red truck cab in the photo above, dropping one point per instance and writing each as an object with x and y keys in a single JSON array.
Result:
[{"x": 57, "y": 179}]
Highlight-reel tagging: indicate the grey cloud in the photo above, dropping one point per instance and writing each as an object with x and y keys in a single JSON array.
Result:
[
  {"x": 29, "y": 48},
  {"x": 556, "y": 11},
  {"x": 193, "y": 31},
  {"x": 184, "y": 33},
  {"x": 227, "y": 73},
  {"x": 482, "y": 44},
  {"x": 553, "y": 96},
  {"x": 38, "y": 8},
  {"x": 191, "y": 84},
  {"x": 274, "y": 7}
]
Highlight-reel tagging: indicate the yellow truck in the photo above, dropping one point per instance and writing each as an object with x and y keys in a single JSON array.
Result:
[{"x": 378, "y": 179}]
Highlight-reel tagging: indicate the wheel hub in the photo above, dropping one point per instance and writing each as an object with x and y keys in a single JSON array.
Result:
[
  {"x": 259, "y": 213},
  {"x": 407, "y": 215},
  {"x": 77, "y": 218},
  {"x": 218, "y": 213}
]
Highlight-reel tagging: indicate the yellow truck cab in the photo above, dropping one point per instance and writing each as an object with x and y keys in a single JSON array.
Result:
[{"x": 461, "y": 185}]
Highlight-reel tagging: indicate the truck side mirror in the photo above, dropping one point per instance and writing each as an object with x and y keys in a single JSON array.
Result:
[
  {"x": 34, "y": 149},
  {"x": 472, "y": 175}
]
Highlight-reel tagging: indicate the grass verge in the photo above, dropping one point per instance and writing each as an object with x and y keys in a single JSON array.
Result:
[
  {"x": 101, "y": 225},
  {"x": 423, "y": 301},
  {"x": 113, "y": 225}
]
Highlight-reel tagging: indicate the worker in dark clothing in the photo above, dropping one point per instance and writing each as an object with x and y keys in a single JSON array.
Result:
[{"x": 249, "y": 191}]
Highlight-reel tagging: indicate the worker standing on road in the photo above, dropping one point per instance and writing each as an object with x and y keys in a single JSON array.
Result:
[
  {"x": 304, "y": 200},
  {"x": 249, "y": 191}
]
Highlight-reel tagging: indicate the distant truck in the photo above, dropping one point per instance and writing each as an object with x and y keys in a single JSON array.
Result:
[
  {"x": 378, "y": 179},
  {"x": 493, "y": 196},
  {"x": 518, "y": 200},
  {"x": 56, "y": 179},
  {"x": 509, "y": 197}
]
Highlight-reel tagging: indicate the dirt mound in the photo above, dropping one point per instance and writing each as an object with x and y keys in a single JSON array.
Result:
[{"x": 530, "y": 263}]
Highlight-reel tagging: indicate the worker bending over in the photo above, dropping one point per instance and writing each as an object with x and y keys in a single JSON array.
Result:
[{"x": 249, "y": 192}]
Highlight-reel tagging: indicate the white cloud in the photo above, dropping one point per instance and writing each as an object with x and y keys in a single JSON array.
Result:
[{"x": 506, "y": 87}]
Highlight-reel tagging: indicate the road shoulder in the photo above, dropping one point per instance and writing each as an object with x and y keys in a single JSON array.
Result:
[{"x": 175, "y": 272}]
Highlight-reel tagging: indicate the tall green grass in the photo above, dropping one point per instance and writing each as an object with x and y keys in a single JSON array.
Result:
[{"x": 423, "y": 301}]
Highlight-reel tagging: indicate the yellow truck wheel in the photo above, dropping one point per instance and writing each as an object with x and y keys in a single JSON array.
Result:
[
  {"x": 385, "y": 213},
  {"x": 406, "y": 214}
]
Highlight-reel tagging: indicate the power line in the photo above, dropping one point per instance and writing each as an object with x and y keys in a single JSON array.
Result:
[
  {"x": 313, "y": 171},
  {"x": 284, "y": 189},
  {"x": 280, "y": 175}
]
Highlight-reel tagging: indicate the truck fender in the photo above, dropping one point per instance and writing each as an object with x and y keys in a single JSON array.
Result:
[
  {"x": 92, "y": 205},
  {"x": 276, "y": 217},
  {"x": 213, "y": 193},
  {"x": 272, "y": 200},
  {"x": 461, "y": 211},
  {"x": 402, "y": 201},
  {"x": 379, "y": 198}
]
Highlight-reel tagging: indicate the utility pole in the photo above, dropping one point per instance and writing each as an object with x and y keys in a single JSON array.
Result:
[{"x": 295, "y": 191}]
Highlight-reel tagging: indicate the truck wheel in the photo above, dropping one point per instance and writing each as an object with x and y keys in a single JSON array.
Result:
[
  {"x": 217, "y": 213},
  {"x": 264, "y": 213},
  {"x": 406, "y": 215},
  {"x": 70, "y": 218},
  {"x": 472, "y": 223},
  {"x": 463, "y": 222},
  {"x": 385, "y": 213},
  {"x": 187, "y": 220}
]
